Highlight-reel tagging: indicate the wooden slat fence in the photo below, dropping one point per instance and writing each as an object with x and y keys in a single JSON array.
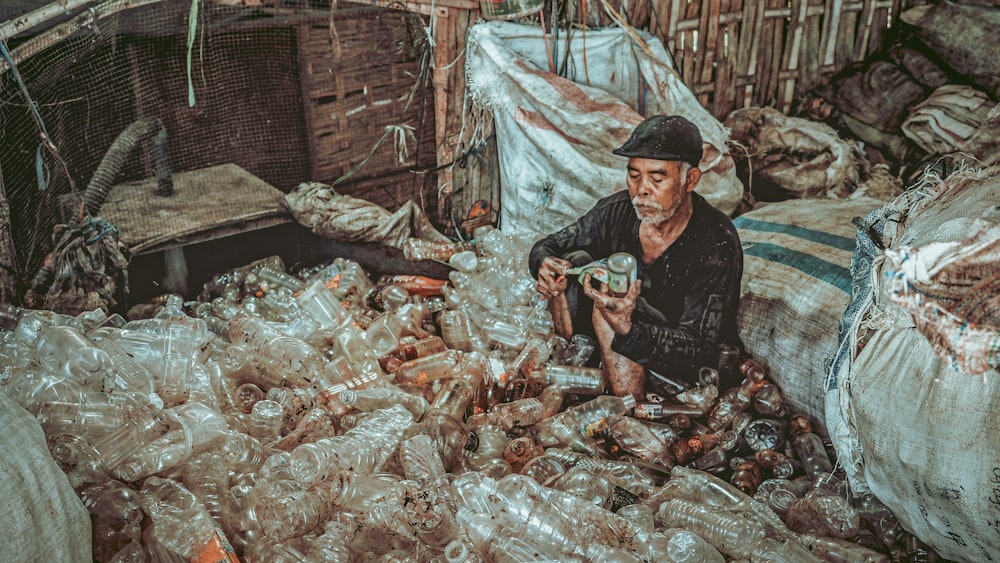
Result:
[{"x": 742, "y": 53}]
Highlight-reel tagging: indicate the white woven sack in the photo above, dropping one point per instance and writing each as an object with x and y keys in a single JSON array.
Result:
[
  {"x": 906, "y": 423},
  {"x": 796, "y": 284},
  {"x": 43, "y": 518},
  {"x": 555, "y": 134}
]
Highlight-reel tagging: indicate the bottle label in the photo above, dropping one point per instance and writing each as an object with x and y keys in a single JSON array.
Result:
[
  {"x": 217, "y": 550},
  {"x": 598, "y": 427},
  {"x": 648, "y": 411},
  {"x": 621, "y": 497}
]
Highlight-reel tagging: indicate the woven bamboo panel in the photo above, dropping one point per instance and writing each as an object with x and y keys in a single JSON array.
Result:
[
  {"x": 742, "y": 53},
  {"x": 356, "y": 84}
]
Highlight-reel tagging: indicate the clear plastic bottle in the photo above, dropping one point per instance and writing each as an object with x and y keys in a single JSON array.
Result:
[
  {"x": 764, "y": 433},
  {"x": 129, "y": 375},
  {"x": 364, "y": 448},
  {"x": 182, "y": 524},
  {"x": 246, "y": 396},
  {"x": 441, "y": 365},
  {"x": 501, "y": 544},
  {"x": 243, "y": 453},
  {"x": 269, "y": 550},
  {"x": 319, "y": 303},
  {"x": 93, "y": 416},
  {"x": 266, "y": 419},
  {"x": 579, "y": 350},
  {"x": 370, "y": 400},
  {"x": 455, "y": 330},
  {"x": 823, "y": 513},
  {"x": 286, "y": 360},
  {"x": 114, "y": 502},
  {"x": 769, "y": 402},
  {"x": 780, "y": 494},
  {"x": 771, "y": 549},
  {"x": 454, "y": 397},
  {"x": 809, "y": 448},
  {"x": 522, "y": 412},
  {"x": 635, "y": 438},
  {"x": 294, "y": 404},
  {"x": 581, "y": 482},
  {"x": 411, "y": 350},
  {"x": 561, "y": 430},
  {"x": 688, "y": 547},
  {"x": 421, "y": 461},
  {"x": 207, "y": 477},
  {"x": 544, "y": 469},
  {"x": 836, "y": 549},
  {"x": 600, "y": 408},
  {"x": 66, "y": 350},
  {"x": 145, "y": 424},
  {"x": 332, "y": 545},
  {"x": 577, "y": 380},
  {"x": 196, "y": 428},
  {"x": 383, "y": 333},
  {"x": 701, "y": 398},
  {"x": 732, "y": 534},
  {"x": 780, "y": 465}
]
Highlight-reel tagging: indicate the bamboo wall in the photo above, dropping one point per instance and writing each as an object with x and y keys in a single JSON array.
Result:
[{"x": 736, "y": 53}]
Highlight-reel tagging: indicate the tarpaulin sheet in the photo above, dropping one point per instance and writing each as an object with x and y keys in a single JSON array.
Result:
[{"x": 555, "y": 134}]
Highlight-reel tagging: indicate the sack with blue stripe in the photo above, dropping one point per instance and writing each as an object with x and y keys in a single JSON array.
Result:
[{"x": 796, "y": 285}]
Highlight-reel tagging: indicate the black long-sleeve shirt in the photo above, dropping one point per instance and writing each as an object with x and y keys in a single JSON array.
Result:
[{"x": 690, "y": 293}]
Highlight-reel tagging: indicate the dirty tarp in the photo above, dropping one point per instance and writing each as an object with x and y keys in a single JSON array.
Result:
[
  {"x": 322, "y": 210},
  {"x": 555, "y": 134},
  {"x": 805, "y": 158}
]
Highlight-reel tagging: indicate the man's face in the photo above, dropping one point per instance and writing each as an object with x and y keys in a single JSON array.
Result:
[{"x": 658, "y": 188}]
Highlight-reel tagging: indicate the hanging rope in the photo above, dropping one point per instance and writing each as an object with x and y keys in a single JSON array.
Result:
[{"x": 41, "y": 168}]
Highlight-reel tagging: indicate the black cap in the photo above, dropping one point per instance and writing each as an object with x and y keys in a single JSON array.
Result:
[{"x": 664, "y": 137}]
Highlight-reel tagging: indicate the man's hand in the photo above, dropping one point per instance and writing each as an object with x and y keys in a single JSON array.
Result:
[
  {"x": 617, "y": 311},
  {"x": 552, "y": 276}
]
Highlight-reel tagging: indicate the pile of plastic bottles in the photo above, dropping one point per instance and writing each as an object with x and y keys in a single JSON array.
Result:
[{"x": 324, "y": 417}]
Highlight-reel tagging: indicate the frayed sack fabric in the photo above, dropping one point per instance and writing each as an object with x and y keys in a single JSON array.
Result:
[
  {"x": 803, "y": 157},
  {"x": 322, "y": 210},
  {"x": 796, "y": 284},
  {"x": 947, "y": 119},
  {"x": 43, "y": 520},
  {"x": 914, "y": 400}
]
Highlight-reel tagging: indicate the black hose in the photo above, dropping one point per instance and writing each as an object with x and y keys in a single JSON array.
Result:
[{"x": 114, "y": 160}]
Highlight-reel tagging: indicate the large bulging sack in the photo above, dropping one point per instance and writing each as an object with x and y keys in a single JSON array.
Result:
[
  {"x": 963, "y": 36},
  {"x": 914, "y": 406},
  {"x": 43, "y": 518},
  {"x": 796, "y": 284}
]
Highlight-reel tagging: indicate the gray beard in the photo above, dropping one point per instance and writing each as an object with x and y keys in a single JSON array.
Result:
[{"x": 660, "y": 216}]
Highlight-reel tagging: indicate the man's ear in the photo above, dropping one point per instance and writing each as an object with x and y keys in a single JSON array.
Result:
[{"x": 693, "y": 177}]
